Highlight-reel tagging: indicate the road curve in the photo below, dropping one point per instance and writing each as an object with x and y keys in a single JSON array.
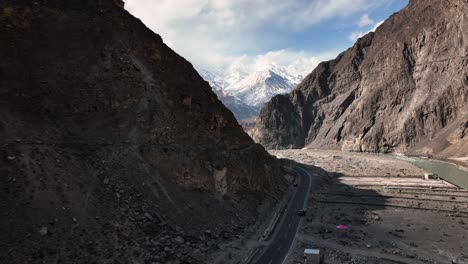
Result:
[{"x": 279, "y": 247}]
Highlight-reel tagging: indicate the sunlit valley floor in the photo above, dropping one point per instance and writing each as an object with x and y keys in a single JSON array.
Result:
[{"x": 392, "y": 214}]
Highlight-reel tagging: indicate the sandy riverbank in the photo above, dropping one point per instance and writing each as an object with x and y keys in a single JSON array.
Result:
[
  {"x": 461, "y": 162},
  {"x": 392, "y": 214}
]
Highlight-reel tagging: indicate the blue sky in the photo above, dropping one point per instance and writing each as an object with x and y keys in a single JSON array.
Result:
[{"x": 222, "y": 35}]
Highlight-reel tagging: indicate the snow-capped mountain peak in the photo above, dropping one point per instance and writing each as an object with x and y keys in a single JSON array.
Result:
[
  {"x": 258, "y": 87},
  {"x": 253, "y": 89}
]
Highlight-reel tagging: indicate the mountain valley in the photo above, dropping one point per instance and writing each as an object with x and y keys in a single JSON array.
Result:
[{"x": 115, "y": 149}]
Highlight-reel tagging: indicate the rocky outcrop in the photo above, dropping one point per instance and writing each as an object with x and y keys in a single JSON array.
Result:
[
  {"x": 394, "y": 90},
  {"x": 451, "y": 143},
  {"x": 114, "y": 149}
]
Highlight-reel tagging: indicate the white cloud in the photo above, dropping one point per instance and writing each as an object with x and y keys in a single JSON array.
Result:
[
  {"x": 223, "y": 33},
  {"x": 358, "y": 34},
  {"x": 365, "y": 21},
  {"x": 295, "y": 62},
  {"x": 376, "y": 26},
  {"x": 355, "y": 35}
]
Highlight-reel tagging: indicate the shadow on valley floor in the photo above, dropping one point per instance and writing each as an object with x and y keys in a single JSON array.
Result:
[{"x": 333, "y": 204}]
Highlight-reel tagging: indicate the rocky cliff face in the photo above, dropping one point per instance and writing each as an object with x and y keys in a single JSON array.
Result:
[
  {"x": 404, "y": 87},
  {"x": 114, "y": 149}
]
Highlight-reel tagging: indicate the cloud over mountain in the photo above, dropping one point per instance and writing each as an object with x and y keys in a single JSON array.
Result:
[{"x": 220, "y": 34}]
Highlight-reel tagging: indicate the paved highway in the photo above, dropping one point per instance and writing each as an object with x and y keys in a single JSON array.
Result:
[{"x": 277, "y": 250}]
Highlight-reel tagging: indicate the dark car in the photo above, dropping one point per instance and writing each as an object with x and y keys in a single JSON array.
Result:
[{"x": 301, "y": 213}]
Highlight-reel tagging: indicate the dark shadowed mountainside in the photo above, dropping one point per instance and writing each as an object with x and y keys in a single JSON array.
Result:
[
  {"x": 114, "y": 149},
  {"x": 403, "y": 88}
]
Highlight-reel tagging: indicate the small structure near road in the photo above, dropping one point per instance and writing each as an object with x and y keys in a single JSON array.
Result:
[
  {"x": 312, "y": 256},
  {"x": 428, "y": 176}
]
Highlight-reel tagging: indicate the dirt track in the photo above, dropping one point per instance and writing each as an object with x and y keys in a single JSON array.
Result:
[{"x": 392, "y": 214}]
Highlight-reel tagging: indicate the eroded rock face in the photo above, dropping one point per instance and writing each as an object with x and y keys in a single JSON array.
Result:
[
  {"x": 112, "y": 81},
  {"x": 394, "y": 89},
  {"x": 113, "y": 142}
]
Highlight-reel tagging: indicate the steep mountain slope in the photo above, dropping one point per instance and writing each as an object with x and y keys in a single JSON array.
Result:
[
  {"x": 216, "y": 81},
  {"x": 402, "y": 88},
  {"x": 240, "y": 110},
  {"x": 114, "y": 149}
]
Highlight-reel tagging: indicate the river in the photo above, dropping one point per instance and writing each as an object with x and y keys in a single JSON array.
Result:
[{"x": 447, "y": 171}]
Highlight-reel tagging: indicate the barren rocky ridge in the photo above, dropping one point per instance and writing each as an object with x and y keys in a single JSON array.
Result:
[
  {"x": 114, "y": 149},
  {"x": 403, "y": 88}
]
